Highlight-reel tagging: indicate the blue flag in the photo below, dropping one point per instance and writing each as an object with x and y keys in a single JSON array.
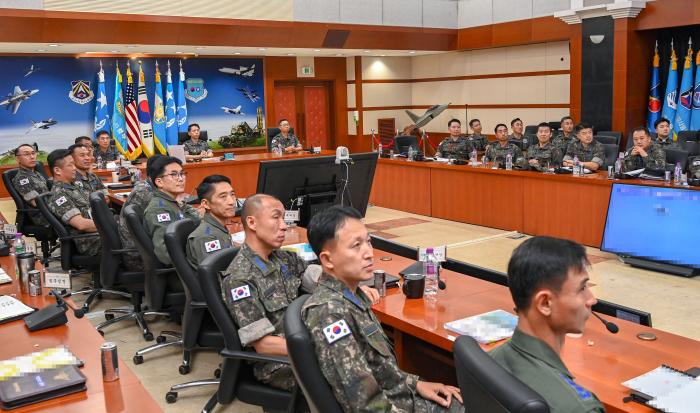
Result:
[
  {"x": 159, "y": 139},
  {"x": 695, "y": 116},
  {"x": 118, "y": 121},
  {"x": 181, "y": 105},
  {"x": 101, "y": 111},
  {"x": 669, "y": 110},
  {"x": 170, "y": 111},
  {"x": 685, "y": 97},
  {"x": 654, "y": 99}
]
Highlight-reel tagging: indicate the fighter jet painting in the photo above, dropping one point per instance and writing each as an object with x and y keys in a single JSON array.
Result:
[
  {"x": 16, "y": 98},
  {"x": 430, "y": 114},
  {"x": 44, "y": 124},
  {"x": 233, "y": 111},
  {"x": 249, "y": 93},
  {"x": 241, "y": 71}
]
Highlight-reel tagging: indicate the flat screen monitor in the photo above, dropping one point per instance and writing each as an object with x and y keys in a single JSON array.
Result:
[
  {"x": 312, "y": 184},
  {"x": 654, "y": 223}
]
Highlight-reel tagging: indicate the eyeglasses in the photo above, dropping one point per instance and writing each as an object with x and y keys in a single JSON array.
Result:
[
  {"x": 26, "y": 153},
  {"x": 176, "y": 175}
]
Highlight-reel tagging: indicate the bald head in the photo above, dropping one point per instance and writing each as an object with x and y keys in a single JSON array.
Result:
[
  {"x": 253, "y": 205},
  {"x": 263, "y": 222}
]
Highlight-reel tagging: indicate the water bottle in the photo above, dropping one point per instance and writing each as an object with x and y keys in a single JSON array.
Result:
[
  {"x": 100, "y": 164},
  {"x": 472, "y": 157},
  {"x": 677, "y": 172},
  {"x": 431, "y": 269},
  {"x": 411, "y": 154},
  {"x": 577, "y": 166},
  {"x": 509, "y": 161},
  {"x": 19, "y": 244},
  {"x": 379, "y": 150},
  {"x": 619, "y": 164}
]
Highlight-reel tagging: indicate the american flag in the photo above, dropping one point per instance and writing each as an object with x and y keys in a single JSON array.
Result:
[{"x": 133, "y": 131}]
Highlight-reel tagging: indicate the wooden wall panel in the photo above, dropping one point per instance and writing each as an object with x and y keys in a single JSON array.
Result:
[
  {"x": 401, "y": 186},
  {"x": 668, "y": 13},
  {"x": 538, "y": 30}
]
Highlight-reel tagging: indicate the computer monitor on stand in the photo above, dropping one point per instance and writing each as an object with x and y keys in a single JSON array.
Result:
[{"x": 313, "y": 184}]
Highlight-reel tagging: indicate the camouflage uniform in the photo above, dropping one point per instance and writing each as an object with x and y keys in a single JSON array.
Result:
[
  {"x": 667, "y": 143},
  {"x": 30, "y": 184},
  {"x": 497, "y": 153},
  {"x": 90, "y": 183},
  {"x": 193, "y": 148},
  {"x": 694, "y": 166},
  {"x": 526, "y": 141},
  {"x": 458, "y": 149},
  {"x": 355, "y": 355},
  {"x": 208, "y": 237},
  {"x": 160, "y": 212},
  {"x": 537, "y": 365},
  {"x": 562, "y": 141},
  {"x": 67, "y": 201},
  {"x": 478, "y": 141},
  {"x": 548, "y": 153},
  {"x": 257, "y": 292},
  {"x": 140, "y": 196},
  {"x": 110, "y": 155},
  {"x": 290, "y": 140},
  {"x": 594, "y": 153},
  {"x": 656, "y": 158}
]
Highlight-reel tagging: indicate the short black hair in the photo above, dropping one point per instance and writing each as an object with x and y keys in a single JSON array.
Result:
[
  {"x": 16, "y": 151},
  {"x": 581, "y": 126},
  {"x": 72, "y": 148},
  {"x": 83, "y": 138},
  {"x": 567, "y": 117},
  {"x": 189, "y": 128},
  {"x": 641, "y": 129},
  {"x": 251, "y": 205},
  {"x": 544, "y": 125},
  {"x": 453, "y": 120},
  {"x": 660, "y": 120},
  {"x": 542, "y": 262},
  {"x": 471, "y": 122},
  {"x": 283, "y": 120},
  {"x": 512, "y": 122},
  {"x": 56, "y": 157},
  {"x": 498, "y": 126},
  {"x": 102, "y": 132},
  {"x": 158, "y": 166},
  {"x": 150, "y": 162},
  {"x": 324, "y": 226},
  {"x": 206, "y": 189}
]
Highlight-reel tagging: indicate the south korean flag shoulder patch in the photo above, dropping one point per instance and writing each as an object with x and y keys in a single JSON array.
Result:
[
  {"x": 240, "y": 292},
  {"x": 336, "y": 331},
  {"x": 60, "y": 201},
  {"x": 24, "y": 181},
  {"x": 164, "y": 217},
  {"x": 211, "y": 246}
]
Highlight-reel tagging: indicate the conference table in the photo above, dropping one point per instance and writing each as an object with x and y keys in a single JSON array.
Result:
[{"x": 564, "y": 206}]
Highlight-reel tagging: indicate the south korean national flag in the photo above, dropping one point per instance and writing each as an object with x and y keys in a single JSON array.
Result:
[
  {"x": 211, "y": 246},
  {"x": 240, "y": 292},
  {"x": 164, "y": 217},
  {"x": 336, "y": 331}
]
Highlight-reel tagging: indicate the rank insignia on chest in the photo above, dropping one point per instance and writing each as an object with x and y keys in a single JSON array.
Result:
[
  {"x": 164, "y": 217},
  {"x": 24, "y": 181},
  {"x": 60, "y": 201},
  {"x": 336, "y": 331},
  {"x": 240, "y": 292},
  {"x": 212, "y": 246}
]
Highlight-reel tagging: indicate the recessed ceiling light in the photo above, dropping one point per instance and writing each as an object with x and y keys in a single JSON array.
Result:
[
  {"x": 262, "y": 49},
  {"x": 41, "y": 50},
  {"x": 338, "y": 54},
  {"x": 382, "y": 55},
  {"x": 317, "y": 50},
  {"x": 236, "y": 52},
  {"x": 178, "y": 52},
  {"x": 290, "y": 54},
  {"x": 367, "y": 51},
  {"x": 54, "y": 45},
  {"x": 412, "y": 52},
  {"x": 199, "y": 47},
  {"x": 115, "y": 51},
  {"x": 131, "y": 46}
]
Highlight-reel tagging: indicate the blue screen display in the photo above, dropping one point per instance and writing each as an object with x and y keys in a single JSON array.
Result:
[{"x": 659, "y": 224}]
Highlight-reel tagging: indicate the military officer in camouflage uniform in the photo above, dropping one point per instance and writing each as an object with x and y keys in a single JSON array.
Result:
[
  {"x": 288, "y": 141},
  {"x": 590, "y": 152},
  {"x": 644, "y": 153},
  {"x": 694, "y": 167},
  {"x": 565, "y": 136},
  {"x": 548, "y": 280},
  {"x": 104, "y": 149},
  {"x": 663, "y": 134},
  {"x": 354, "y": 354},
  {"x": 454, "y": 146},
  {"x": 168, "y": 203},
  {"x": 261, "y": 282},
  {"x": 70, "y": 203},
  {"x": 219, "y": 201},
  {"x": 497, "y": 151},
  {"x": 85, "y": 179},
  {"x": 28, "y": 182},
  {"x": 516, "y": 125},
  {"x": 195, "y": 148},
  {"x": 477, "y": 140},
  {"x": 544, "y": 154}
]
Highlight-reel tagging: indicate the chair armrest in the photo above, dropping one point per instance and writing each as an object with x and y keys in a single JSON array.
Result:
[
  {"x": 198, "y": 304},
  {"x": 161, "y": 271},
  {"x": 123, "y": 250},
  {"x": 80, "y": 236},
  {"x": 28, "y": 210},
  {"x": 251, "y": 356}
]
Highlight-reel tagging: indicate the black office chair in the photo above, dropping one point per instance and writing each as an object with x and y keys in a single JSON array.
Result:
[
  {"x": 308, "y": 373},
  {"x": 555, "y": 125},
  {"x": 159, "y": 297},
  {"x": 73, "y": 261},
  {"x": 611, "y": 153},
  {"x": 23, "y": 220},
  {"x": 519, "y": 143},
  {"x": 182, "y": 137},
  {"x": 402, "y": 143},
  {"x": 488, "y": 387},
  {"x": 674, "y": 156},
  {"x": 630, "y": 140},
  {"x": 687, "y": 136},
  {"x": 531, "y": 130},
  {"x": 113, "y": 274},
  {"x": 271, "y": 133},
  {"x": 237, "y": 380},
  {"x": 693, "y": 148},
  {"x": 615, "y": 134},
  {"x": 604, "y": 139}
]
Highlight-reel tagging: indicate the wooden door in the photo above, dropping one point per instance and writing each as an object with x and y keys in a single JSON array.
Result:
[
  {"x": 285, "y": 106},
  {"x": 316, "y": 116},
  {"x": 306, "y": 104}
]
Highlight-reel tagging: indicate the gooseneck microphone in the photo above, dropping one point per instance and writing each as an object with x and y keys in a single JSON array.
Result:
[{"x": 612, "y": 327}]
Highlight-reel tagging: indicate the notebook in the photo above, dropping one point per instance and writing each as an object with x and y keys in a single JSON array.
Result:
[
  {"x": 12, "y": 309},
  {"x": 485, "y": 328},
  {"x": 4, "y": 278},
  {"x": 666, "y": 389}
]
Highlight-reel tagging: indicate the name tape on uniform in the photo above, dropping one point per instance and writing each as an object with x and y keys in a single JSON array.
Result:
[
  {"x": 240, "y": 292},
  {"x": 336, "y": 331}
]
